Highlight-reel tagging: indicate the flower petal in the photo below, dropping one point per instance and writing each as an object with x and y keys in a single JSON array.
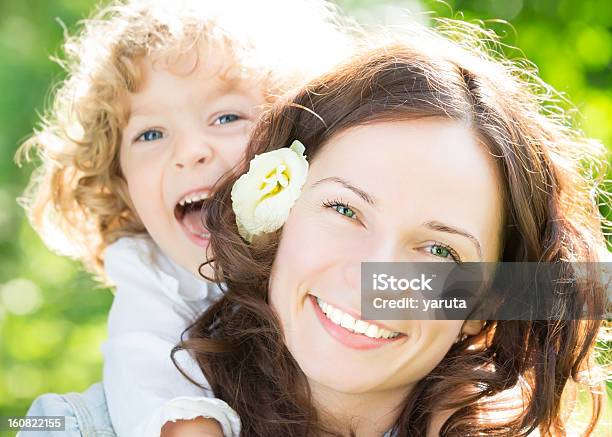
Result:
[{"x": 263, "y": 197}]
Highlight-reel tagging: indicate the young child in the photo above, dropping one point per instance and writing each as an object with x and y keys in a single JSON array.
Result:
[{"x": 157, "y": 105}]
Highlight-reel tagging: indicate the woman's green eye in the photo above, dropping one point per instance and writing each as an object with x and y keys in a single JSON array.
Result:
[
  {"x": 345, "y": 211},
  {"x": 443, "y": 251},
  {"x": 440, "y": 251}
]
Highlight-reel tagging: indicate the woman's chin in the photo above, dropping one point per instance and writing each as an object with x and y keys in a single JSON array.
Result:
[
  {"x": 341, "y": 375},
  {"x": 341, "y": 382}
]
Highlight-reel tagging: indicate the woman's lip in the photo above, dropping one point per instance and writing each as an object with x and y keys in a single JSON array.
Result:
[
  {"x": 355, "y": 314},
  {"x": 347, "y": 338}
]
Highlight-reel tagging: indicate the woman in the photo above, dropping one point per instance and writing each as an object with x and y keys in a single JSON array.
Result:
[{"x": 418, "y": 151}]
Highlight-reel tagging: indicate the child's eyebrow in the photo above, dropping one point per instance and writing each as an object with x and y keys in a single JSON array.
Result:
[
  {"x": 236, "y": 87},
  {"x": 229, "y": 83},
  {"x": 230, "y": 79},
  {"x": 139, "y": 111}
]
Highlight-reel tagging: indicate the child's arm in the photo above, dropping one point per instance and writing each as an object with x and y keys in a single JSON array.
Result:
[
  {"x": 143, "y": 388},
  {"x": 199, "y": 427}
]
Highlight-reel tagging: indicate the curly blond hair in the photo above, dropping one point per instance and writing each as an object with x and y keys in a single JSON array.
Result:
[{"x": 77, "y": 199}]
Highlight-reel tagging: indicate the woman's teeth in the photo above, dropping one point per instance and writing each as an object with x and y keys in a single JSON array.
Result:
[{"x": 345, "y": 320}]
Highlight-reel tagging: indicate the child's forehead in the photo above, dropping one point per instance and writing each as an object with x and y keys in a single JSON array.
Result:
[
  {"x": 179, "y": 79},
  {"x": 202, "y": 63}
]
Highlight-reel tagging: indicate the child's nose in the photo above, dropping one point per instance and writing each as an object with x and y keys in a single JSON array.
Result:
[{"x": 192, "y": 152}]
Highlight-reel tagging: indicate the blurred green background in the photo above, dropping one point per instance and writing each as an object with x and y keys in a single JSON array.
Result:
[{"x": 52, "y": 314}]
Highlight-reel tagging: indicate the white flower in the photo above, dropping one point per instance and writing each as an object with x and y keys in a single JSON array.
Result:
[{"x": 262, "y": 197}]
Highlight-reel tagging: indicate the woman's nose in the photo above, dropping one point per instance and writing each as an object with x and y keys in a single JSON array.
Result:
[
  {"x": 376, "y": 250},
  {"x": 352, "y": 275}
]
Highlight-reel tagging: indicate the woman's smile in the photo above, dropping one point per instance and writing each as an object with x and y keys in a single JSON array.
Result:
[{"x": 350, "y": 331}]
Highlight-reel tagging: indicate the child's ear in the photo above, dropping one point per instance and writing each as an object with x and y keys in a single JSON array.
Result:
[{"x": 472, "y": 327}]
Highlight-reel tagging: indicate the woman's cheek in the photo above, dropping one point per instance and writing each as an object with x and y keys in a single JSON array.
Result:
[{"x": 311, "y": 238}]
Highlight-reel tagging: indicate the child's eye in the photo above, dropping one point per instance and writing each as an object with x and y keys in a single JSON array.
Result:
[
  {"x": 226, "y": 118},
  {"x": 342, "y": 209},
  {"x": 150, "y": 135},
  {"x": 443, "y": 251}
]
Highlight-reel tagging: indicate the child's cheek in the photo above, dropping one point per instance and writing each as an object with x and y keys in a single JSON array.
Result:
[{"x": 145, "y": 179}]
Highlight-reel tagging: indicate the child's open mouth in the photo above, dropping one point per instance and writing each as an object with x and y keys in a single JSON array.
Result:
[{"x": 188, "y": 212}]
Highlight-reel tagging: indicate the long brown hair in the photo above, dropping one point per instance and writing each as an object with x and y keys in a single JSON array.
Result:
[{"x": 550, "y": 215}]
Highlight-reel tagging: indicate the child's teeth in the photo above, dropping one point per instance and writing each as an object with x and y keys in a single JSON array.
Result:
[
  {"x": 348, "y": 322},
  {"x": 193, "y": 198}
]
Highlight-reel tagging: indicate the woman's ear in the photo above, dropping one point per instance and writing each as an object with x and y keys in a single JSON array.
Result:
[{"x": 472, "y": 327}]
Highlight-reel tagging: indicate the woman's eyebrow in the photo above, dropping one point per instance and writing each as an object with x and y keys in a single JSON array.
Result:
[
  {"x": 365, "y": 196},
  {"x": 433, "y": 224},
  {"x": 442, "y": 227}
]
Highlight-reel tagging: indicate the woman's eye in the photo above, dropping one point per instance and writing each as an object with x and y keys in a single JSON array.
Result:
[
  {"x": 226, "y": 118},
  {"x": 442, "y": 251},
  {"x": 345, "y": 210},
  {"x": 150, "y": 135}
]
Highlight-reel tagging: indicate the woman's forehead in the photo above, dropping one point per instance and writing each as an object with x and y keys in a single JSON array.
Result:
[
  {"x": 418, "y": 171},
  {"x": 436, "y": 149}
]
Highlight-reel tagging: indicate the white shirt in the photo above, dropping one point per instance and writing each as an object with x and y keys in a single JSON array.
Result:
[{"x": 155, "y": 301}]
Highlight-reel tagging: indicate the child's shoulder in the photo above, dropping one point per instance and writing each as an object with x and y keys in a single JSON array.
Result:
[
  {"x": 136, "y": 262},
  {"x": 135, "y": 249},
  {"x": 130, "y": 255},
  {"x": 129, "y": 245}
]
